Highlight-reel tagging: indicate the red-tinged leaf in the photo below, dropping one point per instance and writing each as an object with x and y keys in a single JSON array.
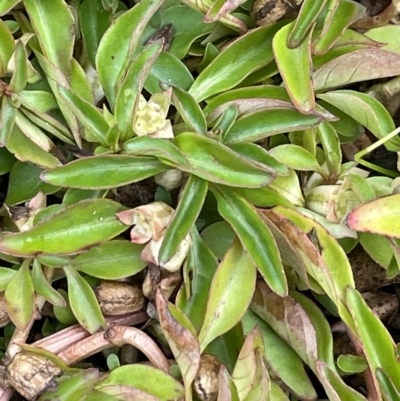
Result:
[
  {"x": 220, "y": 8},
  {"x": 83, "y": 302},
  {"x": 20, "y": 297},
  {"x": 181, "y": 337},
  {"x": 260, "y": 389},
  {"x": 377, "y": 343},
  {"x": 118, "y": 392},
  {"x": 366, "y": 110},
  {"x": 297, "y": 80},
  {"x": 281, "y": 358},
  {"x": 227, "y": 390},
  {"x": 334, "y": 386},
  {"x": 338, "y": 275},
  {"x": 380, "y": 216},
  {"x": 245, "y": 369},
  {"x": 70, "y": 231},
  {"x": 289, "y": 320},
  {"x": 236, "y": 274},
  {"x": 357, "y": 66}
]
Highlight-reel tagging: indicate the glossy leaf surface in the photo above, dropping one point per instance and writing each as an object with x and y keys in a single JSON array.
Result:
[
  {"x": 83, "y": 302},
  {"x": 69, "y": 231},
  {"x": 236, "y": 273},
  {"x": 101, "y": 172}
]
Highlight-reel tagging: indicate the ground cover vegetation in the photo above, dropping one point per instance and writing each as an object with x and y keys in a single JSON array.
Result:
[{"x": 200, "y": 200}]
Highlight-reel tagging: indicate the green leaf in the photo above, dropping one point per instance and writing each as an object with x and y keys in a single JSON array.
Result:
[
  {"x": 297, "y": 80},
  {"x": 161, "y": 148},
  {"x": 43, "y": 287},
  {"x": 104, "y": 171},
  {"x": 366, "y": 110},
  {"x": 265, "y": 123},
  {"x": 245, "y": 55},
  {"x": 188, "y": 25},
  {"x": 20, "y": 75},
  {"x": 236, "y": 274},
  {"x": 337, "y": 274},
  {"x": 8, "y": 113},
  {"x": 388, "y": 389},
  {"x": 379, "y": 216},
  {"x": 331, "y": 144},
  {"x": 117, "y": 47},
  {"x": 215, "y": 162},
  {"x": 201, "y": 264},
  {"x": 336, "y": 22},
  {"x": 73, "y": 388},
  {"x": 378, "y": 345},
  {"x": 94, "y": 21},
  {"x": 73, "y": 195},
  {"x": 151, "y": 380},
  {"x": 7, "y": 5},
  {"x": 189, "y": 110},
  {"x": 7, "y": 160},
  {"x": 88, "y": 115},
  {"x": 352, "y": 363},
  {"x": 255, "y": 237},
  {"x": 83, "y": 302},
  {"x": 281, "y": 357},
  {"x": 20, "y": 297},
  {"x": 190, "y": 204},
  {"x": 64, "y": 313},
  {"x": 334, "y": 386},
  {"x": 259, "y": 155},
  {"x": 25, "y": 150},
  {"x": 70, "y": 231},
  {"x": 309, "y": 11},
  {"x": 55, "y": 35},
  {"x": 169, "y": 70},
  {"x": 6, "y": 274},
  {"x": 128, "y": 94},
  {"x": 7, "y": 47},
  {"x": 218, "y": 237},
  {"x": 24, "y": 183},
  {"x": 295, "y": 157},
  {"x": 112, "y": 260}
]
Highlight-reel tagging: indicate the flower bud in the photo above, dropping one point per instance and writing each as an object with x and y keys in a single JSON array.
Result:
[{"x": 116, "y": 298}]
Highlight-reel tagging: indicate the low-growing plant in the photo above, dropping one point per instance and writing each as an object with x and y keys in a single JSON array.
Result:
[{"x": 240, "y": 250}]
